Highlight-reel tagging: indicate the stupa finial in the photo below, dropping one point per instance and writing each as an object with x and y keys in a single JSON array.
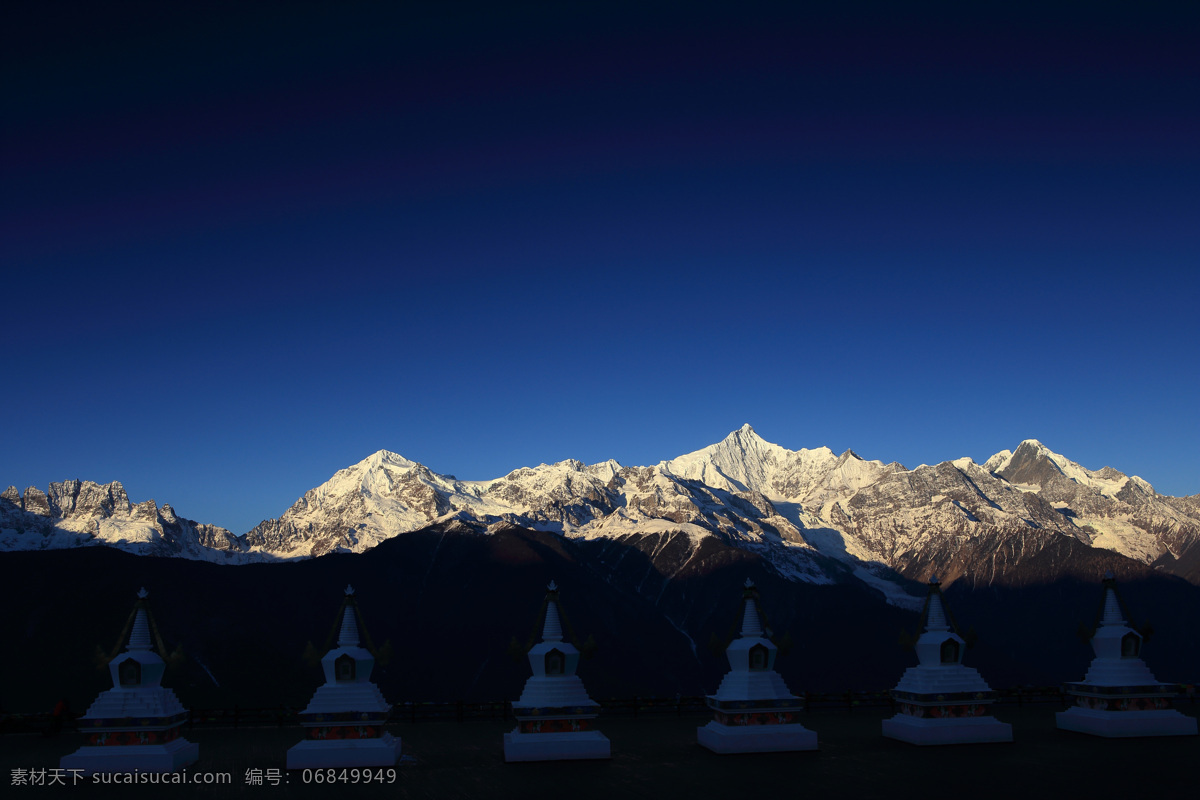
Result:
[
  {"x": 1112, "y": 606},
  {"x": 139, "y": 636},
  {"x": 552, "y": 586},
  {"x": 552, "y": 629},
  {"x": 142, "y": 593},
  {"x": 1112, "y": 609},
  {"x": 349, "y": 590},
  {"x": 751, "y": 624},
  {"x": 348, "y": 635},
  {"x": 936, "y": 619}
]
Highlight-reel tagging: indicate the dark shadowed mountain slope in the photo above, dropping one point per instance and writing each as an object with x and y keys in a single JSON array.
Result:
[{"x": 446, "y": 603}]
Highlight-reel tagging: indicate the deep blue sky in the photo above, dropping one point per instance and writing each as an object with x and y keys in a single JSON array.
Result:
[{"x": 244, "y": 248}]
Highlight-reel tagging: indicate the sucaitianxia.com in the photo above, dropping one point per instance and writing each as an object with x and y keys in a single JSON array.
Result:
[{"x": 64, "y": 777}]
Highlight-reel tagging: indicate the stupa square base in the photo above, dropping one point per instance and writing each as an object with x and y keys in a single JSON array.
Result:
[
  {"x": 926, "y": 731},
  {"x": 755, "y": 738},
  {"x": 1114, "y": 724},
  {"x": 170, "y": 757},
  {"x": 383, "y": 751},
  {"x": 562, "y": 746}
]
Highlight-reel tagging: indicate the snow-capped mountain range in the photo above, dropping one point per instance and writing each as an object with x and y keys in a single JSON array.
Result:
[{"x": 813, "y": 515}]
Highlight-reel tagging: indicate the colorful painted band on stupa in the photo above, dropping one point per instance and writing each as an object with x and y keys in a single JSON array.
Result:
[
  {"x": 756, "y": 718},
  {"x": 325, "y": 732},
  {"x": 1124, "y": 703},
  {"x": 1154, "y": 697},
  {"x": 555, "y": 725},
  {"x": 132, "y": 737},
  {"x": 943, "y": 710}
]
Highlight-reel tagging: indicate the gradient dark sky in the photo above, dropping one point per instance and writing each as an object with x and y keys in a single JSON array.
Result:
[{"x": 244, "y": 247}]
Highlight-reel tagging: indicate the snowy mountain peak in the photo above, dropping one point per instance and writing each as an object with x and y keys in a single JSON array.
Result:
[
  {"x": 746, "y": 440},
  {"x": 1032, "y": 464},
  {"x": 1144, "y": 485},
  {"x": 385, "y": 457},
  {"x": 78, "y": 513},
  {"x": 741, "y": 461},
  {"x": 999, "y": 461}
]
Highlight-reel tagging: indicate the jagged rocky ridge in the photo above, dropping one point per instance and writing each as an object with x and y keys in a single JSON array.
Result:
[
  {"x": 812, "y": 515},
  {"x": 78, "y": 513}
]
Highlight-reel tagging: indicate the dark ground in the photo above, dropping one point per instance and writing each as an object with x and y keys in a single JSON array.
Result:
[{"x": 657, "y": 756}]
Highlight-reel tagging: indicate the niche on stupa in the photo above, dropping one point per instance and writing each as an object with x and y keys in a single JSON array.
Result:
[
  {"x": 344, "y": 667},
  {"x": 1131, "y": 645},
  {"x": 129, "y": 672},
  {"x": 950, "y": 651},
  {"x": 556, "y": 663},
  {"x": 760, "y": 657}
]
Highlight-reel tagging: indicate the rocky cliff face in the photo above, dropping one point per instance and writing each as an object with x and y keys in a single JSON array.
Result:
[
  {"x": 813, "y": 516},
  {"x": 82, "y": 513}
]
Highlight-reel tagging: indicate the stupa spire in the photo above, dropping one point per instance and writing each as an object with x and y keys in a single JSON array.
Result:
[
  {"x": 139, "y": 635},
  {"x": 552, "y": 628},
  {"x": 935, "y": 620},
  {"x": 1112, "y": 607},
  {"x": 348, "y": 635},
  {"x": 751, "y": 623}
]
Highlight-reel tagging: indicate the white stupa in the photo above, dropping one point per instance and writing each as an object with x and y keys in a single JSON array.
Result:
[
  {"x": 344, "y": 722},
  {"x": 134, "y": 726},
  {"x": 940, "y": 700},
  {"x": 554, "y": 713},
  {"x": 1119, "y": 696},
  {"x": 753, "y": 711}
]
